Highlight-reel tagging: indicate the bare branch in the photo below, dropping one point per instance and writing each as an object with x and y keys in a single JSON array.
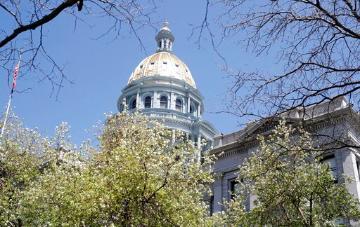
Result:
[
  {"x": 27, "y": 33},
  {"x": 319, "y": 45},
  {"x": 32, "y": 26}
]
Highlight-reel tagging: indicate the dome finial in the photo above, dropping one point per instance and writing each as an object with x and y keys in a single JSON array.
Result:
[
  {"x": 165, "y": 38},
  {"x": 166, "y": 25}
]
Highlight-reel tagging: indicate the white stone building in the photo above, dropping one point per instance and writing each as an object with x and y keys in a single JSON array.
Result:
[{"x": 335, "y": 125}]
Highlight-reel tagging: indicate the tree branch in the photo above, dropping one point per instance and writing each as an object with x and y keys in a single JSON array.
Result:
[{"x": 32, "y": 26}]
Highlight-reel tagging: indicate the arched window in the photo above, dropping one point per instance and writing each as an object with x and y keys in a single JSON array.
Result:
[
  {"x": 147, "y": 102},
  {"x": 163, "y": 102},
  {"x": 178, "y": 104},
  {"x": 133, "y": 104},
  {"x": 121, "y": 107},
  {"x": 192, "y": 109}
]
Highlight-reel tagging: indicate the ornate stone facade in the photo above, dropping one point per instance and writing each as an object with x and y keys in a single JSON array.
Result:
[{"x": 333, "y": 124}]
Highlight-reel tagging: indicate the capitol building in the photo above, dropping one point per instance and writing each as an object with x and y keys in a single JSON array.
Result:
[{"x": 163, "y": 88}]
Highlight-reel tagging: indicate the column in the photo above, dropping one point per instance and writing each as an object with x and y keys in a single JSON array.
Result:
[
  {"x": 349, "y": 167},
  {"x": 199, "y": 142},
  {"x": 125, "y": 107},
  {"x": 173, "y": 135},
  {"x": 138, "y": 99},
  {"x": 188, "y": 103},
  {"x": 156, "y": 100},
  {"x": 218, "y": 193},
  {"x": 198, "y": 110},
  {"x": 199, "y": 148},
  {"x": 171, "y": 104}
]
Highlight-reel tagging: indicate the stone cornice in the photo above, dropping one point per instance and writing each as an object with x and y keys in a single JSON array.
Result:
[
  {"x": 172, "y": 83},
  {"x": 314, "y": 124}
]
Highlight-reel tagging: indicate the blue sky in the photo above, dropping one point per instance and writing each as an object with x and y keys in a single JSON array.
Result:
[{"x": 100, "y": 68}]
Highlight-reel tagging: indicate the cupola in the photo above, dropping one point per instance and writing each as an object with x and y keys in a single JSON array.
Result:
[{"x": 165, "y": 38}]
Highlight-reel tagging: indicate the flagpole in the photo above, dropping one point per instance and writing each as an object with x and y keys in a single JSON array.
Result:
[
  {"x": 6, "y": 115},
  {"x": 16, "y": 71}
]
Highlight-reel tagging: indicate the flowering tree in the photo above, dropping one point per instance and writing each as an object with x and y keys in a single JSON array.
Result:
[
  {"x": 292, "y": 186},
  {"x": 141, "y": 176},
  {"x": 24, "y": 156},
  {"x": 17, "y": 170}
]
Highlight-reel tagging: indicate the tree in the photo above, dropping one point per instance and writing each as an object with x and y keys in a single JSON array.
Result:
[
  {"x": 291, "y": 185},
  {"x": 318, "y": 43},
  {"x": 140, "y": 177},
  {"x": 22, "y": 152},
  {"x": 24, "y": 31},
  {"x": 17, "y": 170}
]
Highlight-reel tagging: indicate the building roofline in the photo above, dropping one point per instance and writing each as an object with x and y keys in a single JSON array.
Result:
[{"x": 247, "y": 135}]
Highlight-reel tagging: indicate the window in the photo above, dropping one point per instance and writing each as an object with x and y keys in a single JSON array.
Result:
[
  {"x": 164, "y": 102},
  {"x": 121, "y": 107},
  {"x": 192, "y": 108},
  {"x": 178, "y": 104},
  {"x": 211, "y": 205},
  {"x": 233, "y": 188},
  {"x": 147, "y": 102},
  {"x": 133, "y": 104},
  {"x": 331, "y": 162}
]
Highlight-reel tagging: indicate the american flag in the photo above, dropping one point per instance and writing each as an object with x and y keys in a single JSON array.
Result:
[{"x": 15, "y": 75}]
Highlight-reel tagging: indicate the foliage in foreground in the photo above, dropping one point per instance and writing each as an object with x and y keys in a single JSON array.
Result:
[
  {"x": 292, "y": 186},
  {"x": 139, "y": 178}
]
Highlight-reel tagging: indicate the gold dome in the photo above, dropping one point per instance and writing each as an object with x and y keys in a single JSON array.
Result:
[{"x": 163, "y": 63}]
